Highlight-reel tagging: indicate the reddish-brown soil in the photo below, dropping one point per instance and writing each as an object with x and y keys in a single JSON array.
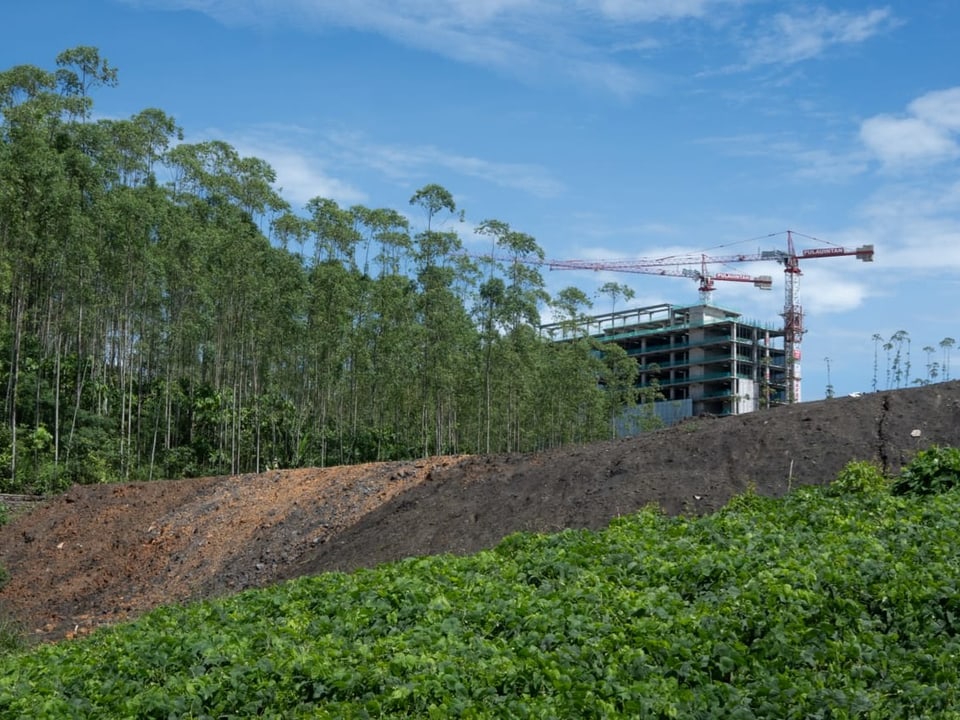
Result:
[{"x": 101, "y": 554}]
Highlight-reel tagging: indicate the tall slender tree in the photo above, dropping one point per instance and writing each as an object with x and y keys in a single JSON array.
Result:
[
  {"x": 877, "y": 341},
  {"x": 946, "y": 345}
]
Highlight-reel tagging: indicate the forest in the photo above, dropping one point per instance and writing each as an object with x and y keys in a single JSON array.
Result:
[{"x": 165, "y": 313}]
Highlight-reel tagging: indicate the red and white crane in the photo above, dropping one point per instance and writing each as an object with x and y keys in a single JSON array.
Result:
[
  {"x": 667, "y": 267},
  {"x": 679, "y": 266},
  {"x": 793, "y": 327},
  {"x": 674, "y": 266}
]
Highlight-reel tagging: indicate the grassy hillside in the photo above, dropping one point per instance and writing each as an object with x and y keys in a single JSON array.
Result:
[{"x": 834, "y": 602}]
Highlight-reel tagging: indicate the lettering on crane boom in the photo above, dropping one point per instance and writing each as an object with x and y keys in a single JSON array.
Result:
[
  {"x": 733, "y": 276},
  {"x": 813, "y": 252}
]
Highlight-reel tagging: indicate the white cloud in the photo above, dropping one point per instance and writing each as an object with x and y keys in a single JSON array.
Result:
[
  {"x": 833, "y": 286},
  {"x": 925, "y": 136},
  {"x": 301, "y": 176},
  {"x": 790, "y": 38},
  {"x": 820, "y": 164},
  {"x": 916, "y": 228},
  {"x": 414, "y": 162},
  {"x": 651, "y": 10},
  {"x": 582, "y": 41},
  {"x": 827, "y": 166},
  {"x": 898, "y": 141},
  {"x": 302, "y": 179},
  {"x": 940, "y": 108}
]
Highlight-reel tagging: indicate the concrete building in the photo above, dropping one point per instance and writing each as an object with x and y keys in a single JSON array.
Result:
[{"x": 705, "y": 359}]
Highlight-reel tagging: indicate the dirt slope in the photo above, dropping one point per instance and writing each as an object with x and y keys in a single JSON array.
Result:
[{"x": 101, "y": 554}]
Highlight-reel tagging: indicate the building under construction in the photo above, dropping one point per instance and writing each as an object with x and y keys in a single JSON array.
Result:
[{"x": 705, "y": 359}]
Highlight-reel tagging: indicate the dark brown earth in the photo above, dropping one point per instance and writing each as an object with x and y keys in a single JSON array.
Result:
[{"x": 101, "y": 554}]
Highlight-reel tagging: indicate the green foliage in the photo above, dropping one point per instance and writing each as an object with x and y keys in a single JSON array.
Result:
[
  {"x": 816, "y": 605},
  {"x": 934, "y": 470},
  {"x": 860, "y": 476},
  {"x": 199, "y": 325},
  {"x": 4, "y": 518}
]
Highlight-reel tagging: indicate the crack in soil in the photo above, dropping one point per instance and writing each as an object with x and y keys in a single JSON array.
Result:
[{"x": 881, "y": 437}]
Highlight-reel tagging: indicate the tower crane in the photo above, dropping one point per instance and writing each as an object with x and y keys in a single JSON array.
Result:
[
  {"x": 793, "y": 327},
  {"x": 673, "y": 266}
]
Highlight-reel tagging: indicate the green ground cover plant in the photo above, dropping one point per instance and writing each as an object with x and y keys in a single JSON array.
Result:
[
  {"x": 823, "y": 604},
  {"x": 934, "y": 470}
]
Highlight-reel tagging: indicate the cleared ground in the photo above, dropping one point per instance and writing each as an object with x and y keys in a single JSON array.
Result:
[{"x": 101, "y": 554}]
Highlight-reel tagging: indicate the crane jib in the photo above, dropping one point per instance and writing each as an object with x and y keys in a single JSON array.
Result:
[{"x": 816, "y": 252}]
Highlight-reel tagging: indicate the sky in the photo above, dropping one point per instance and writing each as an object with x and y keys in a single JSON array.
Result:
[{"x": 605, "y": 129}]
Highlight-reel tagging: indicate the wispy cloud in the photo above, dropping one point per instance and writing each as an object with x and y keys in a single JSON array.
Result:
[
  {"x": 301, "y": 175},
  {"x": 823, "y": 164},
  {"x": 788, "y": 38},
  {"x": 419, "y": 162},
  {"x": 589, "y": 42},
  {"x": 325, "y": 169},
  {"x": 652, "y": 10},
  {"x": 833, "y": 288},
  {"x": 916, "y": 225},
  {"x": 925, "y": 135}
]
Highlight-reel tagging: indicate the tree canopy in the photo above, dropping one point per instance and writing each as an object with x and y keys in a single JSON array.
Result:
[{"x": 165, "y": 313}]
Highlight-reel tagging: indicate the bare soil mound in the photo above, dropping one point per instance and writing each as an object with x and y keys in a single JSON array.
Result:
[{"x": 102, "y": 554}]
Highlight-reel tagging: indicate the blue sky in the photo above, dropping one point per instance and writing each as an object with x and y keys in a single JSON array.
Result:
[{"x": 609, "y": 129}]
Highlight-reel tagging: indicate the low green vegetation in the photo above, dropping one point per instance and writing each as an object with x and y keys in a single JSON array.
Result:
[
  {"x": 837, "y": 602},
  {"x": 932, "y": 471}
]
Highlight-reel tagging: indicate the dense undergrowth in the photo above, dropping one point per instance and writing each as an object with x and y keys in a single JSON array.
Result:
[{"x": 834, "y": 602}]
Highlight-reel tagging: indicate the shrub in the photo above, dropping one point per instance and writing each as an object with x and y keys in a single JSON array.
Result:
[
  {"x": 932, "y": 471},
  {"x": 859, "y": 476}
]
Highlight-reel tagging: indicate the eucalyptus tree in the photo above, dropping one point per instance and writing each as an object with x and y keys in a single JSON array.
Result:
[
  {"x": 128, "y": 324},
  {"x": 946, "y": 345},
  {"x": 443, "y": 319},
  {"x": 492, "y": 298},
  {"x": 887, "y": 347},
  {"x": 618, "y": 380},
  {"x": 42, "y": 163},
  {"x": 277, "y": 348},
  {"x": 877, "y": 340},
  {"x": 390, "y": 333},
  {"x": 290, "y": 228},
  {"x": 227, "y": 196},
  {"x": 80, "y": 69},
  {"x": 897, "y": 339},
  {"x": 334, "y": 312},
  {"x": 574, "y": 408},
  {"x": 615, "y": 291},
  {"x": 929, "y": 350},
  {"x": 31, "y": 183},
  {"x": 570, "y": 305},
  {"x": 509, "y": 315},
  {"x": 393, "y": 332}
]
